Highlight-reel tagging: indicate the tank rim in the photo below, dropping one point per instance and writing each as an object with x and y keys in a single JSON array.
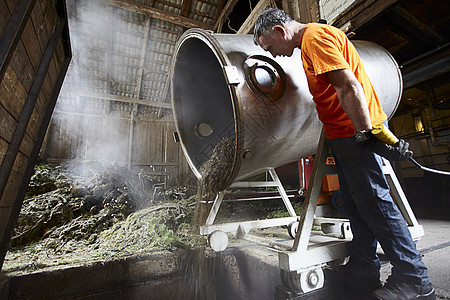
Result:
[{"x": 209, "y": 40}]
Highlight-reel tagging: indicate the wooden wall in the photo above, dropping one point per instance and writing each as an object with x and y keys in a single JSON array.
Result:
[
  {"x": 34, "y": 56},
  {"x": 84, "y": 128}
]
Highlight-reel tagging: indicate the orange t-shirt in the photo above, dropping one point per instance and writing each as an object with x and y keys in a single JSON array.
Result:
[{"x": 326, "y": 48}]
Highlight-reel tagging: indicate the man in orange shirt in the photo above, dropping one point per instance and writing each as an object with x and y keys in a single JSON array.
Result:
[{"x": 349, "y": 107}]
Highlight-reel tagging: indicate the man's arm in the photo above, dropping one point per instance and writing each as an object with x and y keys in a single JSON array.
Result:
[{"x": 351, "y": 97}]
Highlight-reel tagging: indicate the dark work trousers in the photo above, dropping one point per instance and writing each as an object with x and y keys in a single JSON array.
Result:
[{"x": 373, "y": 215}]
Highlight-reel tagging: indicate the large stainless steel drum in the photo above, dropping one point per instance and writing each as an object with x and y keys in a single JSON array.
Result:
[{"x": 224, "y": 86}]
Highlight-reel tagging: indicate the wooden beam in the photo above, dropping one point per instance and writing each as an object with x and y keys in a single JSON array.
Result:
[
  {"x": 413, "y": 25},
  {"x": 224, "y": 15},
  {"x": 142, "y": 56},
  {"x": 123, "y": 99},
  {"x": 307, "y": 11},
  {"x": 28, "y": 107},
  {"x": 218, "y": 13},
  {"x": 249, "y": 23},
  {"x": 159, "y": 14},
  {"x": 286, "y": 5},
  {"x": 167, "y": 85},
  {"x": 361, "y": 12},
  {"x": 13, "y": 32},
  {"x": 185, "y": 8},
  {"x": 36, "y": 148},
  {"x": 426, "y": 67}
]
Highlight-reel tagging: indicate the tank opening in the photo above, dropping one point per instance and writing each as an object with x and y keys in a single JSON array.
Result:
[
  {"x": 203, "y": 130},
  {"x": 202, "y": 101},
  {"x": 265, "y": 78}
]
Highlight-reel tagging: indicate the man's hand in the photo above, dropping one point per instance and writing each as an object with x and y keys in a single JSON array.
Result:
[{"x": 396, "y": 152}]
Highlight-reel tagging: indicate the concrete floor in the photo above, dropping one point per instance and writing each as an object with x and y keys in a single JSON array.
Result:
[
  {"x": 243, "y": 271},
  {"x": 434, "y": 245}
]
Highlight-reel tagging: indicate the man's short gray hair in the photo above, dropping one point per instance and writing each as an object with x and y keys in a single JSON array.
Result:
[{"x": 267, "y": 20}]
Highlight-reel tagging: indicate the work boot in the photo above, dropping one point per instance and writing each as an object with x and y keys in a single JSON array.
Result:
[
  {"x": 356, "y": 285},
  {"x": 395, "y": 290}
]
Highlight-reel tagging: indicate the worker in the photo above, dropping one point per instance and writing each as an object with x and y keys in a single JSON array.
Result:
[{"x": 349, "y": 108}]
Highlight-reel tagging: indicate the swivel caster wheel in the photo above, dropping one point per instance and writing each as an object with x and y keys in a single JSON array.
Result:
[
  {"x": 303, "y": 281},
  {"x": 218, "y": 240},
  {"x": 292, "y": 229}
]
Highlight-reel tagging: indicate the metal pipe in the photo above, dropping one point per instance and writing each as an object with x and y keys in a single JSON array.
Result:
[{"x": 230, "y": 88}]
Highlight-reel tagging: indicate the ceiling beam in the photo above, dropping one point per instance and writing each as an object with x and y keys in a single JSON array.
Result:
[
  {"x": 249, "y": 23},
  {"x": 142, "y": 56},
  {"x": 361, "y": 12},
  {"x": 426, "y": 67},
  {"x": 307, "y": 11},
  {"x": 413, "y": 25},
  {"x": 111, "y": 97},
  {"x": 159, "y": 14},
  {"x": 228, "y": 8},
  {"x": 185, "y": 8}
]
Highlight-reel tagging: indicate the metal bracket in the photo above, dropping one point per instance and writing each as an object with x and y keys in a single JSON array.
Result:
[{"x": 232, "y": 75}]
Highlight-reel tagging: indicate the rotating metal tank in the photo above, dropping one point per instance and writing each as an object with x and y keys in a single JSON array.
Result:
[{"x": 224, "y": 86}]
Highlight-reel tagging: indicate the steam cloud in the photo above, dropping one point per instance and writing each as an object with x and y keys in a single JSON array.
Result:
[{"x": 96, "y": 129}]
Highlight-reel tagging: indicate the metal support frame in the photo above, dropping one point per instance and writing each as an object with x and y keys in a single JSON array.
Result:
[
  {"x": 305, "y": 255},
  {"x": 246, "y": 226},
  {"x": 301, "y": 264},
  {"x": 301, "y": 256}
]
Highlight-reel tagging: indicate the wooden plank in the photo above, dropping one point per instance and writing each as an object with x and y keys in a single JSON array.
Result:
[
  {"x": 124, "y": 99},
  {"x": 142, "y": 56},
  {"x": 308, "y": 11},
  {"x": 34, "y": 124},
  {"x": 159, "y": 14},
  {"x": 5, "y": 212},
  {"x": 361, "y": 12},
  {"x": 413, "y": 25},
  {"x": 5, "y": 16},
  {"x": 7, "y": 128},
  {"x": 10, "y": 38},
  {"x": 22, "y": 66},
  {"x": 55, "y": 65},
  {"x": 286, "y": 5},
  {"x": 43, "y": 98},
  {"x": 39, "y": 25},
  {"x": 185, "y": 8},
  {"x": 20, "y": 163},
  {"x": 31, "y": 43},
  {"x": 26, "y": 175},
  {"x": 11, "y": 188},
  {"x": 49, "y": 14},
  {"x": 249, "y": 23},
  {"x": 224, "y": 15},
  {"x": 7, "y": 124},
  {"x": 53, "y": 136},
  {"x": 219, "y": 9},
  {"x": 139, "y": 152},
  {"x": 13, "y": 93},
  {"x": 171, "y": 146},
  {"x": 20, "y": 130},
  {"x": 11, "y": 4}
]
